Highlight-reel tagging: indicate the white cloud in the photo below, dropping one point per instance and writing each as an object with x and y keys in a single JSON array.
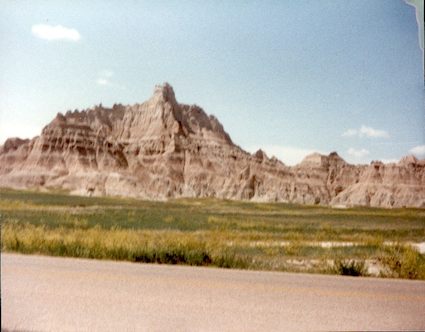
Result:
[
  {"x": 389, "y": 161},
  {"x": 358, "y": 153},
  {"x": 365, "y": 131},
  {"x": 370, "y": 132},
  {"x": 287, "y": 154},
  {"x": 350, "y": 132},
  {"x": 56, "y": 32},
  {"x": 105, "y": 77},
  {"x": 418, "y": 151},
  {"x": 103, "y": 81}
]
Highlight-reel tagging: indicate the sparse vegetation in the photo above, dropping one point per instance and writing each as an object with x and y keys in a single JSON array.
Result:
[
  {"x": 210, "y": 232},
  {"x": 402, "y": 261}
]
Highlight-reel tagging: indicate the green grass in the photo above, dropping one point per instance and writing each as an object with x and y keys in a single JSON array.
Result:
[{"x": 210, "y": 232}]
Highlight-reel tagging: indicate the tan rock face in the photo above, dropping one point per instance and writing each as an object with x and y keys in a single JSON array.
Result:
[{"x": 162, "y": 149}]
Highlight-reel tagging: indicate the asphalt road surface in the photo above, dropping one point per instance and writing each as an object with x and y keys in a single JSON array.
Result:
[{"x": 65, "y": 294}]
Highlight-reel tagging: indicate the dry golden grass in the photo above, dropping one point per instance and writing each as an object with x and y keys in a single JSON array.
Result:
[{"x": 212, "y": 232}]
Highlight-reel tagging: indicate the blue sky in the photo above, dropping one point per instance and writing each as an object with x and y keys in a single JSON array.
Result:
[{"x": 291, "y": 77}]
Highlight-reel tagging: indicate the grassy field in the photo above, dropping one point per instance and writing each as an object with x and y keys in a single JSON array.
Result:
[{"x": 213, "y": 232}]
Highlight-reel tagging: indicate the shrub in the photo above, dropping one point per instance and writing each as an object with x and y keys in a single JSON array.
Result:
[{"x": 349, "y": 268}]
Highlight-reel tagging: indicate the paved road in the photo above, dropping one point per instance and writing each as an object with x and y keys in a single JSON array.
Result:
[{"x": 55, "y": 294}]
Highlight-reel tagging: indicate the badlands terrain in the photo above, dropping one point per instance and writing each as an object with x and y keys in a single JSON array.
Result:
[{"x": 162, "y": 149}]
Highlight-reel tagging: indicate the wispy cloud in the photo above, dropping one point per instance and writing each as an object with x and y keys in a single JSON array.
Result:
[
  {"x": 55, "y": 32},
  {"x": 389, "y": 161},
  {"x": 418, "y": 151},
  {"x": 371, "y": 132},
  {"x": 350, "y": 133},
  {"x": 105, "y": 79},
  {"x": 289, "y": 155},
  {"x": 365, "y": 131},
  {"x": 358, "y": 153}
]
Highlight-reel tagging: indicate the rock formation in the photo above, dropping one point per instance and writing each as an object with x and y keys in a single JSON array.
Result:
[{"x": 162, "y": 149}]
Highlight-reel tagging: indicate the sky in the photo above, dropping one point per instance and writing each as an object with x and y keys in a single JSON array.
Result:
[{"x": 290, "y": 77}]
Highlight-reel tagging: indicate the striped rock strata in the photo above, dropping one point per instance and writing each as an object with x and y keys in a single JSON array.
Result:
[{"x": 162, "y": 149}]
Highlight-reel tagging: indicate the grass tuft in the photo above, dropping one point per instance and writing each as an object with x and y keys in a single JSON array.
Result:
[{"x": 402, "y": 261}]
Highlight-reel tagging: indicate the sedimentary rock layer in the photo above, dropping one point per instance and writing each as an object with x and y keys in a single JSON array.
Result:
[{"x": 161, "y": 149}]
